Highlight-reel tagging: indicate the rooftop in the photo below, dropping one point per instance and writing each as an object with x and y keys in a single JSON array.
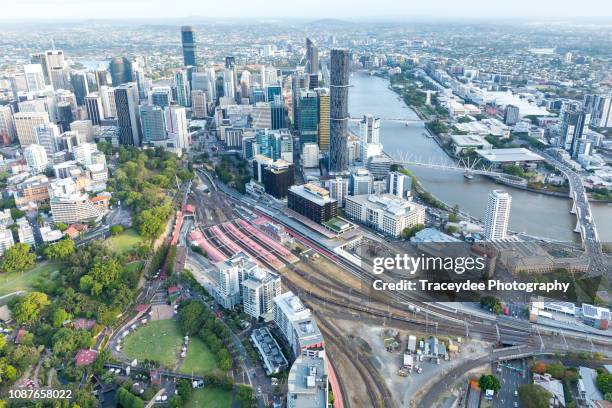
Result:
[{"x": 518, "y": 154}]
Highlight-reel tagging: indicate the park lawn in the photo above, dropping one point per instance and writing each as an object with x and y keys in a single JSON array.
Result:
[
  {"x": 125, "y": 241},
  {"x": 12, "y": 282},
  {"x": 199, "y": 360},
  {"x": 210, "y": 397},
  {"x": 158, "y": 340}
]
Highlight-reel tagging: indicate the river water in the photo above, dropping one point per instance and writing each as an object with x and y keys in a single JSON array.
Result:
[{"x": 536, "y": 214}]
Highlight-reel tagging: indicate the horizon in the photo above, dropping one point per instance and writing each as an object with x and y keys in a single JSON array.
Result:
[{"x": 342, "y": 10}]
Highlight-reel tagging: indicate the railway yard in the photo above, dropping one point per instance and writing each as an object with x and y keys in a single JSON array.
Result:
[{"x": 341, "y": 300}]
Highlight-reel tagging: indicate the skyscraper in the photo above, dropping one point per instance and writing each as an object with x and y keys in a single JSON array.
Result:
[
  {"x": 160, "y": 96},
  {"x": 64, "y": 115},
  {"x": 128, "y": 120},
  {"x": 176, "y": 126},
  {"x": 572, "y": 129},
  {"x": 339, "y": 87},
  {"x": 35, "y": 80},
  {"x": 312, "y": 57},
  {"x": 120, "y": 69},
  {"x": 198, "y": 103},
  {"x": 230, "y": 64},
  {"x": 397, "y": 183},
  {"x": 80, "y": 86},
  {"x": 182, "y": 88},
  {"x": 189, "y": 45},
  {"x": 25, "y": 122},
  {"x": 46, "y": 135},
  {"x": 36, "y": 158},
  {"x": 93, "y": 105},
  {"x": 497, "y": 215},
  {"x": 8, "y": 133},
  {"x": 153, "y": 123},
  {"x": 323, "y": 119},
  {"x": 308, "y": 117}
]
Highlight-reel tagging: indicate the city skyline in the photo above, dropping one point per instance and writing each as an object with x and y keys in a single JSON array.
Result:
[{"x": 340, "y": 9}]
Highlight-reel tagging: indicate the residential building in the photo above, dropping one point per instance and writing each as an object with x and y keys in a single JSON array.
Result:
[
  {"x": 360, "y": 182},
  {"x": 25, "y": 233},
  {"x": 6, "y": 240},
  {"x": 74, "y": 207},
  {"x": 398, "y": 183},
  {"x": 338, "y": 189},
  {"x": 339, "y": 84},
  {"x": 8, "y": 132},
  {"x": 296, "y": 323},
  {"x": 497, "y": 215},
  {"x": 258, "y": 290}
]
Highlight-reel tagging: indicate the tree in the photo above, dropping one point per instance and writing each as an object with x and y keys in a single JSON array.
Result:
[
  {"x": 62, "y": 226},
  {"x": 604, "y": 382},
  {"x": 411, "y": 231},
  {"x": 116, "y": 229},
  {"x": 128, "y": 400},
  {"x": 491, "y": 303},
  {"x": 58, "y": 317},
  {"x": 66, "y": 341},
  {"x": 534, "y": 396},
  {"x": 62, "y": 249},
  {"x": 245, "y": 396},
  {"x": 17, "y": 258},
  {"x": 191, "y": 317},
  {"x": 29, "y": 308},
  {"x": 2, "y": 342},
  {"x": 489, "y": 382}
]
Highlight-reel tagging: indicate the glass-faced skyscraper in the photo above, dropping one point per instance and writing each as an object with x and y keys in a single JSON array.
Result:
[
  {"x": 339, "y": 87},
  {"x": 120, "y": 70},
  {"x": 189, "y": 45}
]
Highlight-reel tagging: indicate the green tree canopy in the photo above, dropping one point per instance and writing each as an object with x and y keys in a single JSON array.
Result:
[
  {"x": 17, "y": 258},
  {"x": 29, "y": 308}
]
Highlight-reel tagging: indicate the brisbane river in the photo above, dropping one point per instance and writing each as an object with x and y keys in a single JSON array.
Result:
[{"x": 535, "y": 214}]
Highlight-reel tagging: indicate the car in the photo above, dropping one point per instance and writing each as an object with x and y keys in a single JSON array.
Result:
[
  {"x": 515, "y": 404},
  {"x": 515, "y": 393}
]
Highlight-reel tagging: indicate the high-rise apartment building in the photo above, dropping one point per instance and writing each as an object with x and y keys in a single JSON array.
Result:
[
  {"x": 339, "y": 87},
  {"x": 36, "y": 158},
  {"x": 46, "y": 135},
  {"x": 497, "y": 215},
  {"x": 398, "y": 183},
  {"x": 176, "y": 126},
  {"x": 181, "y": 82}
]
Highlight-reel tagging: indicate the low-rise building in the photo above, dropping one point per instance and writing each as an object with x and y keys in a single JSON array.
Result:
[
  {"x": 25, "y": 232},
  {"x": 308, "y": 384},
  {"x": 313, "y": 202},
  {"x": 6, "y": 240},
  {"x": 271, "y": 355},
  {"x": 385, "y": 213}
]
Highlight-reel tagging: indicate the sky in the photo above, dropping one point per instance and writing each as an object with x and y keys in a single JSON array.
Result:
[{"x": 315, "y": 9}]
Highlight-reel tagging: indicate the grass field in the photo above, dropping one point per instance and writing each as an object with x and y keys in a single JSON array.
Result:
[
  {"x": 209, "y": 397},
  {"x": 159, "y": 340},
  {"x": 200, "y": 359},
  {"x": 125, "y": 241},
  {"x": 12, "y": 282}
]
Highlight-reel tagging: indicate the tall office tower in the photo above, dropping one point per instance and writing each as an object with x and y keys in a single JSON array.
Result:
[
  {"x": 93, "y": 105},
  {"x": 339, "y": 87},
  {"x": 160, "y": 96},
  {"x": 55, "y": 58},
  {"x": 60, "y": 78},
  {"x": 229, "y": 90},
  {"x": 101, "y": 78},
  {"x": 572, "y": 129},
  {"x": 279, "y": 114},
  {"x": 107, "y": 94},
  {"x": 299, "y": 81},
  {"x": 245, "y": 84},
  {"x": 35, "y": 79},
  {"x": 308, "y": 116},
  {"x": 120, "y": 69},
  {"x": 181, "y": 82},
  {"x": 40, "y": 58},
  {"x": 141, "y": 81},
  {"x": 189, "y": 45},
  {"x": 312, "y": 57},
  {"x": 8, "y": 132},
  {"x": 205, "y": 81},
  {"x": 497, "y": 215},
  {"x": 46, "y": 135},
  {"x": 511, "y": 115},
  {"x": 273, "y": 90},
  {"x": 80, "y": 86},
  {"x": 397, "y": 183},
  {"x": 25, "y": 122},
  {"x": 323, "y": 119},
  {"x": 262, "y": 77},
  {"x": 230, "y": 64},
  {"x": 128, "y": 121},
  {"x": 64, "y": 115},
  {"x": 176, "y": 126},
  {"x": 153, "y": 121},
  {"x": 36, "y": 158},
  {"x": 198, "y": 104}
]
